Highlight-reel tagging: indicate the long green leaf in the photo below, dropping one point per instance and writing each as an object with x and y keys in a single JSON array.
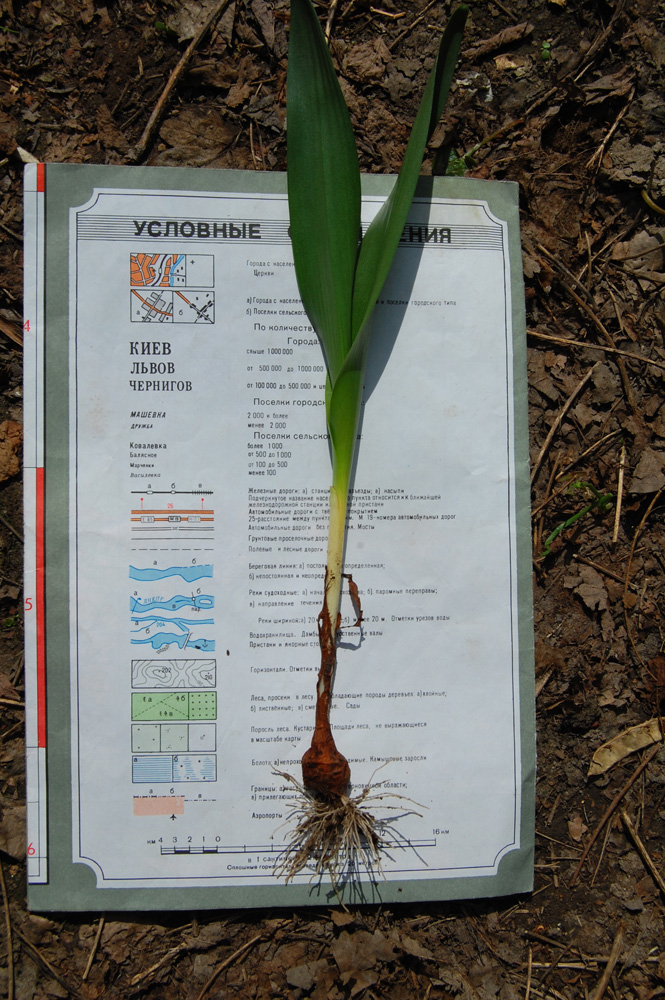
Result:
[
  {"x": 383, "y": 236},
  {"x": 339, "y": 283},
  {"x": 323, "y": 185},
  {"x": 380, "y": 243}
]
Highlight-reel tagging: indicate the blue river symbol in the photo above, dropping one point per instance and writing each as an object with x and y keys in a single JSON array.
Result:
[
  {"x": 188, "y": 573},
  {"x": 197, "y": 601},
  {"x": 160, "y": 639}
]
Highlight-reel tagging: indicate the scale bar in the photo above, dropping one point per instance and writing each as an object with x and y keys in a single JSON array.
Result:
[{"x": 390, "y": 845}]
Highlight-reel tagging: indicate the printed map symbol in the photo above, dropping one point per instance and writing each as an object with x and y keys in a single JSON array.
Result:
[
  {"x": 172, "y": 706},
  {"x": 168, "y": 288},
  {"x": 155, "y": 306},
  {"x": 188, "y": 573},
  {"x": 171, "y": 270},
  {"x": 173, "y": 673}
]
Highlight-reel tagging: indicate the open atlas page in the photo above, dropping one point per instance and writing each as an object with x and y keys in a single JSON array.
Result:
[{"x": 177, "y": 477}]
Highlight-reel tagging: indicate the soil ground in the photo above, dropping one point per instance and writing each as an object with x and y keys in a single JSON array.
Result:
[{"x": 567, "y": 98}]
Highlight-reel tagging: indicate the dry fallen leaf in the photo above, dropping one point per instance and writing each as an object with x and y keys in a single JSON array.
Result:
[
  {"x": 196, "y": 137},
  {"x": 649, "y": 476},
  {"x": 7, "y": 689},
  {"x": 504, "y": 63},
  {"x": 577, "y": 827},
  {"x": 644, "y": 250},
  {"x": 11, "y": 330},
  {"x": 509, "y": 36},
  {"x": 411, "y": 946},
  {"x": 360, "y": 951},
  {"x": 363, "y": 980},
  {"x": 592, "y": 589},
  {"x": 367, "y": 61},
  {"x": 13, "y": 830},
  {"x": 304, "y": 977},
  {"x": 630, "y": 740}
]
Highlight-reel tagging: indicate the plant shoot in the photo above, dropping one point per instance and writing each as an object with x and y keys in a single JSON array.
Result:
[{"x": 340, "y": 276}]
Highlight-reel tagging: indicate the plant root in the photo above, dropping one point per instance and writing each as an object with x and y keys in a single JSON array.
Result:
[{"x": 337, "y": 835}]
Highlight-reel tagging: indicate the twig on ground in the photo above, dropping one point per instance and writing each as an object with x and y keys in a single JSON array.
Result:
[
  {"x": 599, "y": 42},
  {"x": 331, "y": 16},
  {"x": 229, "y": 961},
  {"x": 544, "y": 939},
  {"x": 617, "y": 509},
  {"x": 609, "y": 340},
  {"x": 251, "y": 146},
  {"x": 538, "y": 532},
  {"x": 542, "y": 681},
  {"x": 13, "y": 729},
  {"x": 509, "y": 13},
  {"x": 507, "y": 36},
  {"x": 93, "y": 950},
  {"x": 561, "y": 843},
  {"x": 8, "y": 931},
  {"x": 601, "y": 855},
  {"x": 557, "y": 422},
  {"x": 610, "y": 810},
  {"x": 569, "y": 342},
  {"x": 123, "y": 95},
  {"x": 626, "y": 582},
  {"x": 37, "y": 957},
  {"x": 552, "y": 812},
  {"x": 595, "y": 160},
  {"x": 551, "y": 966},
  {"x": 589, "y": 256},
  {"x": 395, "y": 42},
  {"x": 164, "y": 960},
  {"x": 588, "y": 451},
  {"x": 604, "y": 980},
  {"x": 548, "y": 499},
  {"x": 598, "y": 566},
  {"x": 391, "y": 15},
  {"x": 11, "y": 528},
  {"x": 642, "y": 851},
  {"x": 139, "y": 149},
  {"x": 564, "y": 270},
  {"x": 527, "y": 991},
  {"x": 487, "y": 941}
]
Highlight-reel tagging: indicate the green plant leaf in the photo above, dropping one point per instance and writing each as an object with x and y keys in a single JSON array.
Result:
[
  {"x": 339, "y": 282},
  {"x": 342, "y": 414},
  {"x": 379, "y": 244},
  {"x": 323, "y": 186},
  {"x": 383, "y": 236}
]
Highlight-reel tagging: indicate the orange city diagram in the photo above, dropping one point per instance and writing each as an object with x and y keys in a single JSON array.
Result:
[{"x": 171, "y": 288}]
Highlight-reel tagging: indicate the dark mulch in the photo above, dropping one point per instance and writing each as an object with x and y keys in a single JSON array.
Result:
[{"x": 570, "y": 103}]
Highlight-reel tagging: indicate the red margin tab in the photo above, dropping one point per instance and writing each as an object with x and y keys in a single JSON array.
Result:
[
  {"x": 39, "y": 607},
  {"x": 41, "y": 177}
]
